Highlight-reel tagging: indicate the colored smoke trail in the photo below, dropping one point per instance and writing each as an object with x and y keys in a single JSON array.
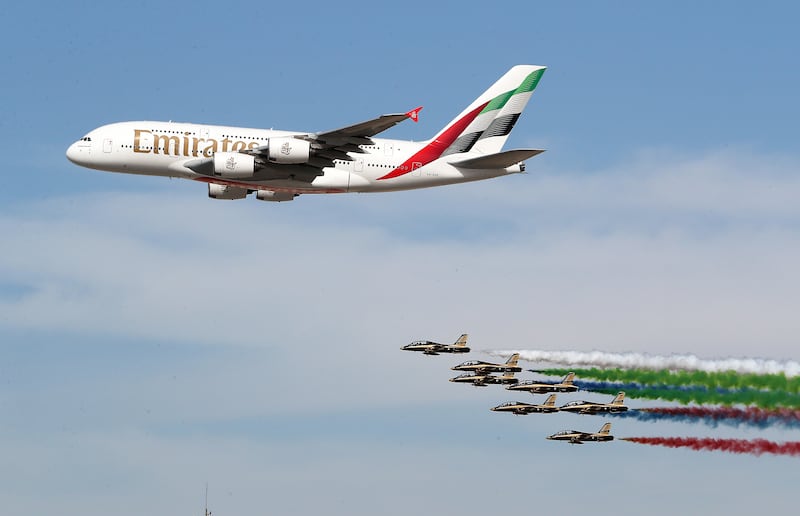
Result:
[
  {"x": 712, "y": 416},
  {"x": 754, "y": 447},
  {"x": 655, "y": 362},
  {"x": 699, "y": 395},
  {"x": 710, "y": 380}
]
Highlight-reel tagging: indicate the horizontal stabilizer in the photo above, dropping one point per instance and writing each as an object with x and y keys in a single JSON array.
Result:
[{"x": 498, "y": 160}]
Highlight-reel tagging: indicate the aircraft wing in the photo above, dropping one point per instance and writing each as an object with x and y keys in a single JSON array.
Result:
[
  {"x": 325, "y": 148},
  {"x": 361, "y": 132}
]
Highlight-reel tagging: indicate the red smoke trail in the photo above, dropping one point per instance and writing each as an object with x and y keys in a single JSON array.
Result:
[
  {"x": 712, "y": 415},
  {"x": 754, "y": 447}
]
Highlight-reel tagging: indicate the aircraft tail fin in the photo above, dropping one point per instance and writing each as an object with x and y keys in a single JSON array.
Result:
[
  {"x": 486, "y": 123},
  {"x": 512, "y": 360},
  {"x": 550, "y": 401},
  {"x": 605, "y": 429},
  {"x": 568, "y": 379},
  {"x": 461, "y": 341},
  {"x": 619, "y": 399}
]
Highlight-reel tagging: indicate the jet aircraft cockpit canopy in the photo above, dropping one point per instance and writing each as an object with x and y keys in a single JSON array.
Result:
[
  {"x": 577, "y": 403},
  {"x": 567, "y": 432},
  {"x": 471, "y": 362}
]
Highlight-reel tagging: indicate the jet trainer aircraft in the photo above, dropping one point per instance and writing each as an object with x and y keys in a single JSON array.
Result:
[
  {"x": 434, "y": 348},
  {"x": 280, "y": 165},
  {"x": 478, "y": 366},
  {"x": 590, "y": 407},
  {"x": 484, "y": 379},
  {"x": 520, "y": 409},
  {"x": 536, "y": 387},
  {"x": 578, "y": 437}
]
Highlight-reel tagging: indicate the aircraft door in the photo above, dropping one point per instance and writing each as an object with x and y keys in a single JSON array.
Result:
[
  {"x": 415, "y": 166},
  {"x": 107, "y": 145}
]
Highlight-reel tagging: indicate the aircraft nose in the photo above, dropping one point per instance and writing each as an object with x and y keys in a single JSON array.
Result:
[
  {"x": 78, "y": 153},
  {"x": 73, "y": 153}
]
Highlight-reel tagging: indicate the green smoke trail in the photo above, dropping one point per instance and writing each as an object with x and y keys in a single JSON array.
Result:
[
  {"x": 726, "y": 380},
  {"x": 701, "y": 396}
]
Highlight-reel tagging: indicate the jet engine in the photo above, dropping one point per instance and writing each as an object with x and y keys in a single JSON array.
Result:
[
  {"x": 269, "y": 195},
  {"x": 234, "y": 165},
  {"x": 288, "y": 150},
  {"x": 216, "y": 191}
]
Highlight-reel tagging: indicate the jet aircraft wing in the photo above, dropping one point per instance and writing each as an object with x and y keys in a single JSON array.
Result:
[
  {"x": 332, "y": 145},
  {"x": 361, "y": 132}
]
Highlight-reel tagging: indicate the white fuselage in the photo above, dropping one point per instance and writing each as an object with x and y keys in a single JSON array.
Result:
[{"x": 164, "y": 149}]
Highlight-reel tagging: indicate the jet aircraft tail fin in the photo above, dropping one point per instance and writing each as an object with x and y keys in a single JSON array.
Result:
[
  {"x": 461, "y": 341},
  {"x": 512, "y": 360},
  {"x": 550, "y": 401},
  {"x": 619, "y": 399},
  {"x": 605, "y": 429},
  {"x": 485, "y": 124},
  {"x": 568, "y": 379}
]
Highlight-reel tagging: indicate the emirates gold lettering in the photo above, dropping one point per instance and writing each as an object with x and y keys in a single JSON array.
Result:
[
  {"x": 211, "y": 148},
  {"x": 195, "y": 145},
  {"x": 137, "y": 135},
  {"x": 173, "y": 145}
]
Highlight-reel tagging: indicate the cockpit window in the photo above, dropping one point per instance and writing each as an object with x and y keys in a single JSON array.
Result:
[{"x": 85, "y": 139}]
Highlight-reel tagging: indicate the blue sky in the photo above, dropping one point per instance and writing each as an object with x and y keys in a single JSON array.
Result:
[{"x": 153, "y": 340}]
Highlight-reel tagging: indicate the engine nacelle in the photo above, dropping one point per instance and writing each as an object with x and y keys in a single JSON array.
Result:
[
  {"x": 269, "y": 195},
  {"x": 288, "y": 150},
  {"x": 226, "y": 192},
  {"x": 234, "y": 165}
]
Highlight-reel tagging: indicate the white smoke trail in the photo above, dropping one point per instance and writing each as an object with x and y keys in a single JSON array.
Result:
[{"x": 602, "y": 359}]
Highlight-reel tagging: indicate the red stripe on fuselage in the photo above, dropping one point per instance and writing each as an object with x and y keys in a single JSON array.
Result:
[{"x": 435, "y": 149}]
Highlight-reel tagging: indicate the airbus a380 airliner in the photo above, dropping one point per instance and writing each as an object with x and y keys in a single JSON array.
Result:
[{"x": 280, "y": 165}]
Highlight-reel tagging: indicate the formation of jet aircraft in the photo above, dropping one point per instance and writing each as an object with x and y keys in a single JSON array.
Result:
[
  {"x": 434, "y": 348},
  {"x": 578, "y": 437},
  {"x": 590, "y": 407},
  {"x": 280, "y": 165},
  {"x": 537, "y": 387},
  {"x": 479, "y": 374},
  {"x": 478, "y": 366},
  {"x": 520, "y": 409}
]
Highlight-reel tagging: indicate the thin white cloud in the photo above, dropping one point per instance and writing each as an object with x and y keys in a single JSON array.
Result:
[{"x": 626, "y": 257}]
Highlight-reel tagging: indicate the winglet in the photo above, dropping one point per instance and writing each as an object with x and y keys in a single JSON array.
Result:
[{"x": 414, "y": 114}]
